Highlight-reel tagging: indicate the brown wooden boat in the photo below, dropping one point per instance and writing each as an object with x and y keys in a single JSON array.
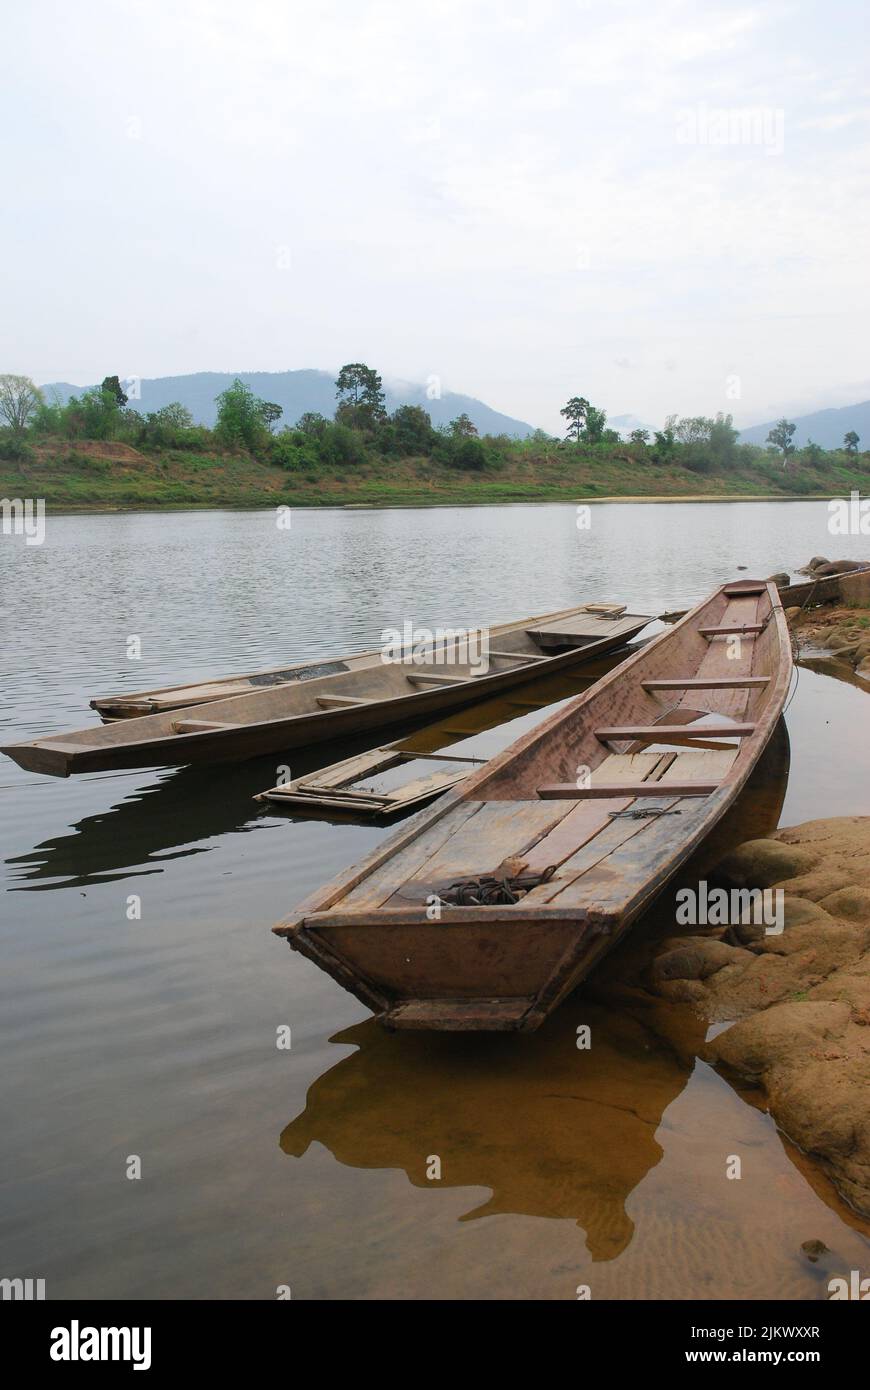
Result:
[
  {"x": 302, "y": 705},
  {"x": 580, "y": 625},
  {"x": 487, "y": 909}
]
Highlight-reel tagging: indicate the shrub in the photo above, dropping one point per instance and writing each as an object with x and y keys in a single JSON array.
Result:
[{"x": 13, "y": 446}]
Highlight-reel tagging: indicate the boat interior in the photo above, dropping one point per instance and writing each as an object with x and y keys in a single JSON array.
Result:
[{"x": 606, "y": 778}]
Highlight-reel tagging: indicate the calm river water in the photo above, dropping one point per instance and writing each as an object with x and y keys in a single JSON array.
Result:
[{"x": 264, "y": 1168}]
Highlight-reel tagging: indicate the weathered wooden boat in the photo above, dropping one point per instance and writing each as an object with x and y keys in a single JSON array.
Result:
[
  {"x": 848, "y": 587},
  {"x": 306, "y": 706},
  {"x": 586, "y": 623},
  {"x": 487, "y": 909}
]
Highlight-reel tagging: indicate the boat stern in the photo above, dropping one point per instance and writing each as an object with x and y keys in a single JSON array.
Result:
[{"x": 484, "y": 969}]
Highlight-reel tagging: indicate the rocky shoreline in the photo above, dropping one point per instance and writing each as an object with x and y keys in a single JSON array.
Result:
[{"x": 797, "y": 1001}]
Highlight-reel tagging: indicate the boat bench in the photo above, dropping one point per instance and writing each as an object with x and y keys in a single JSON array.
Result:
[{"x": 697, "y": 772}]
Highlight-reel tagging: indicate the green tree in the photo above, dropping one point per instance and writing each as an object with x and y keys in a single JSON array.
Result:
[
  {"x": 596, "y": 425},
  {"x": 575, "y": 413},
  {"x": 665, "y": 441},
  {"x": 175, "y": 415},
  {"x": 240, "y": 418},
  {"x": 19, "y": 401},
  {"x": 95, "y": 414},
  {"x": 781, "y": 436},
  {"x": 270, "y": 413},
  {"x": 851, "y": 440},
  {"x": 463, "y": 427},
  {"x": 412, "y": 430},
  {"x": 722, "y": 440},
  {"x": 113, "y": 385},
  {"x": 169, "y": 426},
  {"x": 311, "y": 422},
  {"x": 639, "y": 437},
  {"x": 360, "y": 395}
]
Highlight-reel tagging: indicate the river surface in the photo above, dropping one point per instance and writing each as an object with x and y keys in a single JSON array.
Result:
[{"x": 155, "y": 1039}]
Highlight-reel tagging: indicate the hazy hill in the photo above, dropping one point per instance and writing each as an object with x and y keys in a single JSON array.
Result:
[
  {"x": 825, "y": 427},
  {"x": 297, "y": 392}
]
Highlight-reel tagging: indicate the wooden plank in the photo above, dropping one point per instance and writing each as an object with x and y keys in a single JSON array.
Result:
[
  {"x": 437, "y": 680},
  {"x": 564, "y": 791},
  {"x": 640, "y": 866},
  {"x": 614, "y": 833},
  {"x": 397, "y": 863},
  {"x": 340, "y": 701},
  {"x": 459, "y": 1015},
  {"x": 746, "y": 630},
  {"x": 672, "y": 733},
  {"x": 198, "y": 726},
  {"x": 500, "y": 830},
  {"x": 630, "y": 767},
  {"x": 577, "y": 828},
  {"x": 701, "y": 764},
  {"x": 707, "y": 683},
  {"x": 516, "y": 656}
]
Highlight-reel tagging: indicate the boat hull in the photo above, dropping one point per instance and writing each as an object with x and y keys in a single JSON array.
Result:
[
  {"x": 389, "y": 929},
  {"x": 150, "y": 741}
]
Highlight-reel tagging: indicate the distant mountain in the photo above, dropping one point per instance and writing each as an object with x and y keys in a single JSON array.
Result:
[
  {"x": 297, "y": 392},
  {"x": 825, "y": 427},
  {"x": 626, "y": 423}
]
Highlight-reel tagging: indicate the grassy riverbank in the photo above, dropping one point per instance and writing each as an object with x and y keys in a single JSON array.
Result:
[{"x": 107, "y": 474}]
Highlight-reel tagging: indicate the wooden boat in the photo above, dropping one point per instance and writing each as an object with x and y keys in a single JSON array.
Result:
[
  {"x": 587, "y": 623},
  {"x": 305, "y": 706},
  {"x": 850, "y": 586},
  {"x": 487, "y": 909}
]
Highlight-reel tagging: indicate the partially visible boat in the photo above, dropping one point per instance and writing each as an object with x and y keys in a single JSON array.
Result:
[
  {"x": 278, "y": 711},
  {"x": 486, "y": 910}
]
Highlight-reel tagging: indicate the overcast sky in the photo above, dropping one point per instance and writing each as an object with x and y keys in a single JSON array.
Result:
[{"x": 526, "y": 200}]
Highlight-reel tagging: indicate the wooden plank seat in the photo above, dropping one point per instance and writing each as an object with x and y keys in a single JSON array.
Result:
[
  {"x": 423, "y": 679},
  {"x": 340, "y": 701},
  {"x": 198, "y": 726},
  {"x": 707, "y": 683},
  {"x": 742, "y": 629},
  {"x": 672, "y": 733},
  {"x": 517, "y": 656},
  {"x": 696, "y": 772},
  {"x": 567, "y": 791}
]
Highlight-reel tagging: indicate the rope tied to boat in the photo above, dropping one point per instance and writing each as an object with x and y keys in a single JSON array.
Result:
[
  {"x": 641, "y": 811},
  {"x": 488, "y": 891}
]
